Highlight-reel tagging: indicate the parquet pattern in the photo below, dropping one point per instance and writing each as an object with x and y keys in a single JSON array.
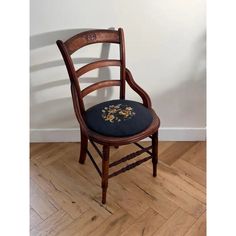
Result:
[{"x": 65, "y": 196}]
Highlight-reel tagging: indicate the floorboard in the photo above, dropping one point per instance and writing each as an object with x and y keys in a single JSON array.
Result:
[{"x": 66, "y": 196}]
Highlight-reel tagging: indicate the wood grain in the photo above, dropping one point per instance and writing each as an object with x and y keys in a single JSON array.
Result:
[
  {"x": 177, "y": 224},
  {"x": 199, "y": 227},
  {"x": 146, "y": 224},
  {"x": 191, "y": 171},
  {"x": 40, "y": 202},
  {"x": 83, "y": 225},
  {"x": 114, "y": 225},
  {"x": 53, "y": 224},
  {"x": 196, "y": 155},
  {"x": 66, "y": 198}
]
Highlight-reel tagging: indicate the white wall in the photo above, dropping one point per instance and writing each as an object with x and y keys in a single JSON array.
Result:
[{"x": 165, "y": 47}]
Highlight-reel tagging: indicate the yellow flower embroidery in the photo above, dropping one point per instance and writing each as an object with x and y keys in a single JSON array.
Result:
[
  {"x": 110, "y": 118},
  {"x": 117, "y": 113}
]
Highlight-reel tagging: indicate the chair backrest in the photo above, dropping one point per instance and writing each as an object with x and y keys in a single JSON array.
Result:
[{"x": 80, "y": 40}]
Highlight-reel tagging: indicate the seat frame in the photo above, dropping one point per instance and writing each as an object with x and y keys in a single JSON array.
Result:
[{"x": 67, "y": 48}]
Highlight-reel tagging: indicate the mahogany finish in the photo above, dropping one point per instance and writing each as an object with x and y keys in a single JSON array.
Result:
[
  {"x": 95, "y": 65},
  {"x": 67, "y": 48},
  {"x": 98, "y": 85}
]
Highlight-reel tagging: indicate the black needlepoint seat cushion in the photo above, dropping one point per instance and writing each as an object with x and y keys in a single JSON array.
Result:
[{"x": 118, "y": 118}]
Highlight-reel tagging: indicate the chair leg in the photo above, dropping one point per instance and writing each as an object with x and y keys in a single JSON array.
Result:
[
  {"x": 83, "y": 148},
  {"x": 155, "y": 153},
  {"x": 105, "y": 171}
]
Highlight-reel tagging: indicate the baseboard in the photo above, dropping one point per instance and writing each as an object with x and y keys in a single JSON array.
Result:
[
  {"x": 73, "y": 135},
  {"x": 182, "y": 134}
]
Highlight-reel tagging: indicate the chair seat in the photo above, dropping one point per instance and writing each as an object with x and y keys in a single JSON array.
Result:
[{"x": 118, "y": 118}]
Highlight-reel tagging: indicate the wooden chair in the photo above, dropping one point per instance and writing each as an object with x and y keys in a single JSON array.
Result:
[{"x": 113, "y": 123}]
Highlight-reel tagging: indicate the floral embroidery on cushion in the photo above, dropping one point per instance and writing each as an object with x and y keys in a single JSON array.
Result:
[{"x": 117, "y": 113}]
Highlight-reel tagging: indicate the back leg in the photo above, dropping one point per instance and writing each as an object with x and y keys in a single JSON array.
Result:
[
  {"x": 155, "y": 153},
  {"x": 83, "y": 148}
]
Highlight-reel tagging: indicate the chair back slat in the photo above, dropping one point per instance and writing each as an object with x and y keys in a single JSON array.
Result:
[
  {"x": 95, "y": 65},
  {"x": 99, "y": 85},
  {"x": 89, "y": 37}
]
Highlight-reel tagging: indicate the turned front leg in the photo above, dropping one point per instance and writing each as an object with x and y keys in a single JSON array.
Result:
[
  {"x": 155, "y": 153},
  {"x": 105, "y": 172},
  {"x": 83, "y": 148}
]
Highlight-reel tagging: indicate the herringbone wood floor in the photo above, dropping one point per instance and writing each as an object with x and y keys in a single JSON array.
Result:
[{"x": 66, "y": 196}]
